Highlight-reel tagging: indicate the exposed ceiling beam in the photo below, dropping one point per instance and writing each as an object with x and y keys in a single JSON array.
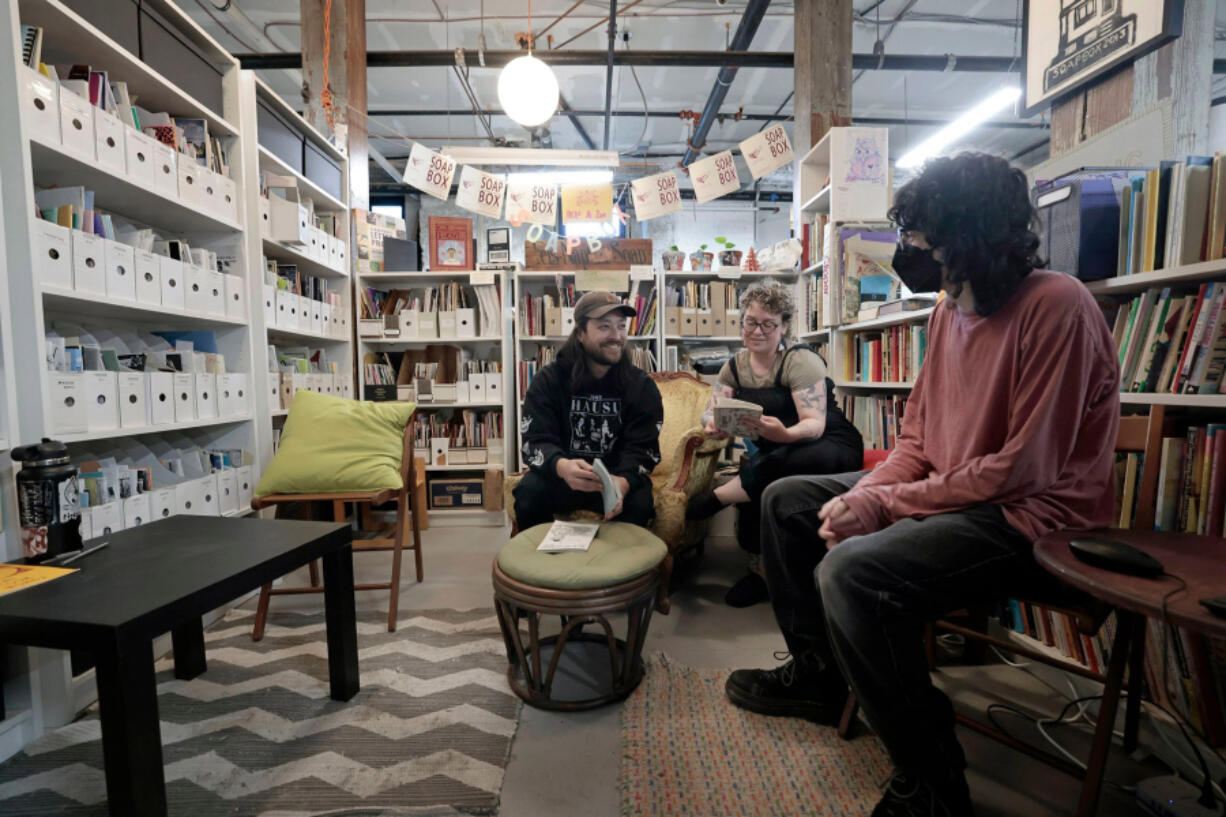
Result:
[
  {"x": 669, "y": 59},
  {"x": 564, "y": 106},
  {"x": 748, "y": 117}
]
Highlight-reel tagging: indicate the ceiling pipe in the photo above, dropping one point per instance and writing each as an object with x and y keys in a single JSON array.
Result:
[
  {"x": 572, "y": 114},
  {"x": 723, "y": 81},
  {"x": 670, "y": 59},
  {"x": 608, "y": 75}
]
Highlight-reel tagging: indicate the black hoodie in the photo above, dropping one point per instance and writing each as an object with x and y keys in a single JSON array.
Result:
[{"x": 616, "y": 418}]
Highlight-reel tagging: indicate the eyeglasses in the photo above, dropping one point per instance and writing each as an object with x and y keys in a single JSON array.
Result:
[{"x": 749, "y": 326}]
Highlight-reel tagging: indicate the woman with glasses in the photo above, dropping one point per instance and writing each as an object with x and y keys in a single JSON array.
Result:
[{"x": 801, "y": 430}]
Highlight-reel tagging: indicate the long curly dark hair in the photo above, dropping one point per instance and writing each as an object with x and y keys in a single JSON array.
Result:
[{"x": 976, "y": 208}]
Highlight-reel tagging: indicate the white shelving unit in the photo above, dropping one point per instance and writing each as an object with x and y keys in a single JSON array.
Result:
[
  {"x": 136, "y": 182},
  {"x": 276, "y": 323},
  {"x": 535, "y": 283},
  {"x": 493, "y": 343}
]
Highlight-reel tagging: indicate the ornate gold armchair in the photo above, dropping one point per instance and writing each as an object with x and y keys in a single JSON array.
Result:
[{"x": 687, "y": 466}]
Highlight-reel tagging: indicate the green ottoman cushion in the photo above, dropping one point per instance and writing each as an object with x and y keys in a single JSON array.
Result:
[{"x": 619, "y": 553}]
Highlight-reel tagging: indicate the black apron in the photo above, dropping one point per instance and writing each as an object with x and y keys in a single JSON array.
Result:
[{"x": 777, "y": 401}]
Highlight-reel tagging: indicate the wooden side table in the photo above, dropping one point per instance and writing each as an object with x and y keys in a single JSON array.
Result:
[{"x": 1196, "y": 560}]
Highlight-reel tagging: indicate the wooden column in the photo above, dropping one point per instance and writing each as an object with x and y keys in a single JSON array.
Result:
[
  {"x": 1180, "y": 72},
  {"x": 822, "y": 71},
  {"x": 347, "y": 79}
]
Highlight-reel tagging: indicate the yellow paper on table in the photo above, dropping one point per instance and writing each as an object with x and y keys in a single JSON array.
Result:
[{"x": 19, "y": 577}]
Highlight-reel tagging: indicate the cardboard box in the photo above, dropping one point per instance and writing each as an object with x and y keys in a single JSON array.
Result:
[
  {"x": 451, "y": 494},
  {"x": 492, "y": 501}
]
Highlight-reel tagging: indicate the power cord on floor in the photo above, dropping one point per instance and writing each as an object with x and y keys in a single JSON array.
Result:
[{"x": 1210, "y": 789}]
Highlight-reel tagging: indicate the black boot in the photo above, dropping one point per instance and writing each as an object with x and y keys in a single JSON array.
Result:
[
  {"x": 908, "y": 794},
  {"x": 749, "y": 590},
  {"x": 703, "y": 506},
  {"x": 798, "y": 689}
]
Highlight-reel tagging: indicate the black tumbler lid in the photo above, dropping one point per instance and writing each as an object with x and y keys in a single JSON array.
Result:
[{"x": 48, "y": 452}]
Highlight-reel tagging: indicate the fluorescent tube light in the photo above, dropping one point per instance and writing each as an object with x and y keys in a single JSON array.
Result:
[
  {"x": 547, "y": 157},
  {"x": 961, "y": 126},
  {"x": 562, "y": 177}
]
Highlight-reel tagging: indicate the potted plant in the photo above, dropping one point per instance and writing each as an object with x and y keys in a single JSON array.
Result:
[
  {"x": 728, "y": 257},
  {"x": 700, "y": 260},
  {"x": 674, "y": 259}
]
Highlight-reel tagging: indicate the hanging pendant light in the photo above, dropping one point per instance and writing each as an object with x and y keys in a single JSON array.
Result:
[
  {"x": 528, "y": 91},
  {"x": 527, "y": 88}
]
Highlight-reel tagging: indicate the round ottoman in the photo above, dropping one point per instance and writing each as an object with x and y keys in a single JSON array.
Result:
[{"x": 619, "y": 573}]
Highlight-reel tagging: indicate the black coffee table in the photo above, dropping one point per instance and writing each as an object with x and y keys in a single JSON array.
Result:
[{"x": 163, "y": 577}]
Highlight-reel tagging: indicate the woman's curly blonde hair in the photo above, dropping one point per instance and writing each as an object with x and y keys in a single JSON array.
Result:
[{"x": 773, "y": 296}]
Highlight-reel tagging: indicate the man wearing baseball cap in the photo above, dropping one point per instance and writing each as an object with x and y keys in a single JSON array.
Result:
[{"x": 590, "y": 403}]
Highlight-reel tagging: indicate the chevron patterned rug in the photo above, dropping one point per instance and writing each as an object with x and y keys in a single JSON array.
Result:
[
  {"x": 687, "y": 750},
  {"x": 257, "y": 735}
]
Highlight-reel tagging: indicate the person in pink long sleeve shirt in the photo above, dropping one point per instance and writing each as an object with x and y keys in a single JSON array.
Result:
[{"x": 1008, "y": 434}]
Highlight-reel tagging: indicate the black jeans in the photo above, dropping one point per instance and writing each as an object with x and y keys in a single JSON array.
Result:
[
  {"x": 820, "y": 456},
  {"x": 862, "y": 605},
  {"x": 539, "y": 496}
]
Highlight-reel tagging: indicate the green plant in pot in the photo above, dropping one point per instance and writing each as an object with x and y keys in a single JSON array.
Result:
[
  {"x": 674, "y": 259},
  {"x": 728, "y": 257},
  {"x": 700, "y": 260}
]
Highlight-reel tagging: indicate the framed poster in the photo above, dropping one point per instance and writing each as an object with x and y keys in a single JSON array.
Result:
[
  {"x": 451, "y": 243},
  {"x": 1067, "y": 43}
]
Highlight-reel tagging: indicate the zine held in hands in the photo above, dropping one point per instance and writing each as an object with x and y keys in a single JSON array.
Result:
[
  {"x": 609, "y": 491},
  {"x": 729, "y": 414}
]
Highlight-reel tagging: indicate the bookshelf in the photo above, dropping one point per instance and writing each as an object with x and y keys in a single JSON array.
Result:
[
  {"x": 492, "y": 344},
  {"x": 64, "y": 279},
  {"x": 300, "y": 250},
  {"x": 534, "y": 347}
]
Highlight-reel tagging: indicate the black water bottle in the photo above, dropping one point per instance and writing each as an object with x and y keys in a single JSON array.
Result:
[{"x": 47, "y": 500}]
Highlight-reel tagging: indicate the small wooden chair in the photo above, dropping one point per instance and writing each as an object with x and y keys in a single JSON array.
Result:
[
  {"x": 386, "y": 538},
  {"x": 1137, "y": 434}
]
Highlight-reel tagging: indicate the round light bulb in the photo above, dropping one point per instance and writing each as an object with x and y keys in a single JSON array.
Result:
[{"x": 528, "y": 91}]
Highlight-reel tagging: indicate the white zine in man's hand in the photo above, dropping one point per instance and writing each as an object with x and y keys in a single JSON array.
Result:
[{"x": 610, "y": 491}]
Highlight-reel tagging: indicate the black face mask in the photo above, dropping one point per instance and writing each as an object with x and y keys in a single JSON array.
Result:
[{"x": 917, "y": 268}]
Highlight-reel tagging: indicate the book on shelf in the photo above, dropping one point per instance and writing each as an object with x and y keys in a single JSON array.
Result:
[
  {"x": 892, "y": 354},
  {"x": 877, "y": 417},
  {"x": 1171, "y": 342}
]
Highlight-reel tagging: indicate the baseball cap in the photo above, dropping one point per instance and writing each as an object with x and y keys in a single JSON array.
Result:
[{"x": 599, "y": 303}]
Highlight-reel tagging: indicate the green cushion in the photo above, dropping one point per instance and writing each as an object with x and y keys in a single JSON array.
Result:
[
  {"x": 619, "y": 553},
  {"x": 330, "y": 444}
]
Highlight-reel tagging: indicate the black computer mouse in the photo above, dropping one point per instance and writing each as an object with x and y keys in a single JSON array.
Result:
[{"x": 1118, "y": 557}]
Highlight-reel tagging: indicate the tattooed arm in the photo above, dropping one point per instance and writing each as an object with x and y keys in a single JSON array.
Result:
[{"x": 811, "y": 407}]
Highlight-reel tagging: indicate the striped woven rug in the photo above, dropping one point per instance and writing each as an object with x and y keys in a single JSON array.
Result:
[
  {"x": 686, "y": 750},
  {"x": 429, "y": 733}
]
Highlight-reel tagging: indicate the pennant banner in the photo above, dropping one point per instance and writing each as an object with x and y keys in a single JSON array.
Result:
[
  {"x": 714, "y": 176},
  {"x": 480, "y": 192},
  {"x": 429, "y": 172},
  {"x": 767, "y": 151},
  {"x": 656, "y": 196},
  {"x": 533, "y": 203},
  {"x": 587, "y": 202}
]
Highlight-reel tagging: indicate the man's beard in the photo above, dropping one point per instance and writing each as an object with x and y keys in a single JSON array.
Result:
[{"x": 605, "y": 355}]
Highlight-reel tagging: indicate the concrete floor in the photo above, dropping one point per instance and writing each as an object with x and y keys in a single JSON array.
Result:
[{"x": 566, "y": 765}]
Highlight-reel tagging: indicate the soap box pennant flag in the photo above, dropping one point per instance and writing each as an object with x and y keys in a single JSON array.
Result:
[
  {"x": 714, "y": 176},
  {"x": 767, "y": 151},
  {"x": 656, "y": 195},
  {"x": 480, "y": 192},
  {"x": 429, "y": 172},
  {"x": 533, "y": 203}
]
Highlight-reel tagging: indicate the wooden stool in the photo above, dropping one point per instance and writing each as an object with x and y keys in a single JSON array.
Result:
[
  {"x": 528, "y": 595},
  {"x": 385, "y": 538}
]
